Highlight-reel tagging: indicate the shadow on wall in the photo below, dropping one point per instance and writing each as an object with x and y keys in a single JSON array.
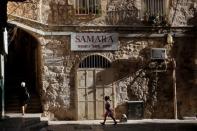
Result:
[
  {"x": 193, "y": 20},
  {"x": 143, "y": 84},
  {"x": 185, "y": 54}
]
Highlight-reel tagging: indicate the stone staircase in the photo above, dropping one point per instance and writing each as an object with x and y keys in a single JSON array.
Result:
[{"x": 12, "y": 104}]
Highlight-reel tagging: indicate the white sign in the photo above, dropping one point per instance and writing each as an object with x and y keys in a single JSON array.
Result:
[{"x": 94, "y": 41}]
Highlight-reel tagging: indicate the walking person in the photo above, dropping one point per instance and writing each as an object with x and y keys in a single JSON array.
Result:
[
  {"x": 23, "y": 97},
  {"x": 108, "y": 111}
]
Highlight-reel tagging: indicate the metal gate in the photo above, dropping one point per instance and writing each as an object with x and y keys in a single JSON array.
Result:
[{"x": 93, "y": 83}]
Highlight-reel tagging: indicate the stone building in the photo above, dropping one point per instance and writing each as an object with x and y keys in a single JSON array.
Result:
[{"x": 72, "y": 53}]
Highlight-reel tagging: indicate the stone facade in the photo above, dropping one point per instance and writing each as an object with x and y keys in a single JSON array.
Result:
[
  {"x": 114, "y": 12},
  {"x": 182, "y": 13},
  {"x": 134, "y": 79}
]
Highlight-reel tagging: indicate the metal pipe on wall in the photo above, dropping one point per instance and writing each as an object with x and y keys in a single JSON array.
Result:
[{"x": 2, "y": 86}]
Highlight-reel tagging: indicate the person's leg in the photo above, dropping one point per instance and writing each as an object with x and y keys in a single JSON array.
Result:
[
  {"x": 23, "y": 110},
  {"x": 115, "y": 122},
  {"x": 105, "y": 116},
  {"x": 103, "y": 123},
  {"x": 25, "y": 107}
]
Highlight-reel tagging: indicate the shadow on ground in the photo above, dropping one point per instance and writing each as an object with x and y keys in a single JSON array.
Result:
[{"x": 22, "y": 124}]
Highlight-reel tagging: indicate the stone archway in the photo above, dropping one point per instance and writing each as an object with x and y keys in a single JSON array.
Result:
[
  {"x": 22, "y": 64},
  {"x": 94, "y": 81}
]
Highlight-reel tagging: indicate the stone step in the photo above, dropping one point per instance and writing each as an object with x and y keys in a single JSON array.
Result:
[
  {"x": 12, "y": 104},
  {"x": 38, "y": 126},
  {"x": 22, "y": 124}
]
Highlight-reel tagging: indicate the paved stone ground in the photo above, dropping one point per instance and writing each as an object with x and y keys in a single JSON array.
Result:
[
  {"x": 34, "y": 122},
  {"x": 17, "y": 122},
  {"x": 131, "y": 125}
]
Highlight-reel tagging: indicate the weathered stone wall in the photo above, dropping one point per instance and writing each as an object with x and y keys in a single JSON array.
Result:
[
  {"x": 133, "y": 78},
  {"x": 56, "y": 88},
  {"x": 115, "y": 12},
  {"x": 182, "y": 12},
  {"x": 29, "y": 10},
  {"x": 136, "y": 81}
]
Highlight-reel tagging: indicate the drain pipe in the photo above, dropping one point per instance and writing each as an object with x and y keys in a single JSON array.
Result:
[
  {"x": 174, "y": 88},
  {"x": 3, "y": 50},
  {"x": 3, "y": 53},
  {"x": 2, "y": 87}
]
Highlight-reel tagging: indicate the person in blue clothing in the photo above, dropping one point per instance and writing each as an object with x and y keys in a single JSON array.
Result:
[
  {"x": 23, "y": 97},
  {"x": 108, "y": 111}
]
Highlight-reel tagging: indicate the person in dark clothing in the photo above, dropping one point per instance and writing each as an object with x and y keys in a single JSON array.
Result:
[
  {"x": 24, "y": 97},
  {"x": 109, "y": 111}
]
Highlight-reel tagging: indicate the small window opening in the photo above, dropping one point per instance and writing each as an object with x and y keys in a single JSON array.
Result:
[{"x": 95, "y": 61}]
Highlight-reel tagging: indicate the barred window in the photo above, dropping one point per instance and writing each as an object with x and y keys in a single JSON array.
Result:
[
  {"x": 86, "y": 7},
  {"x": 155, "y": 7},
  {"x": 95, "y": 61}
]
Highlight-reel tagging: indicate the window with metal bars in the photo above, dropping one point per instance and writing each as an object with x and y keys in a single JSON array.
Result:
[
  {"x": 86, "y": 7},
  {"x": 155, "y": 7},
  {"x": 95, "y": 61}
]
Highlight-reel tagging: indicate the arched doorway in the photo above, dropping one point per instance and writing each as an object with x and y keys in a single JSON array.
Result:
[
  {"x": 94, "y": 81},
  {"x": 22, "y": 64}
]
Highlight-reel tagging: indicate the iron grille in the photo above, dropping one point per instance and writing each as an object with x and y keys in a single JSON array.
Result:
[
  {"x": 85, "y": 7},
  {"x": 155, "y": 7},
  {"x": 95, "y": 61}
]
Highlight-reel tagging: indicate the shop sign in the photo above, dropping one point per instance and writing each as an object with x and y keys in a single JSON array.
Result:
[{"x": 94, "y": 41}]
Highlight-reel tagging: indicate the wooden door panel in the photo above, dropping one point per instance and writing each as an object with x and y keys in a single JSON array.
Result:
[
  {"x": 81, "y": 110},
  {"x": 99, "y": 94},
  {"x": 93, "y": 85},
  {"x": 90, "y": 85},
  {"x": 99, "y": 78},
  {"x": 81, "y": 76},
  {"x": 91, "y": 111},
  {"x": 89, "y": 78},
  {"x": 99, "y": 109},
  {"x": 90, "y": 94},
  {"x": 81, "y": 94}
]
